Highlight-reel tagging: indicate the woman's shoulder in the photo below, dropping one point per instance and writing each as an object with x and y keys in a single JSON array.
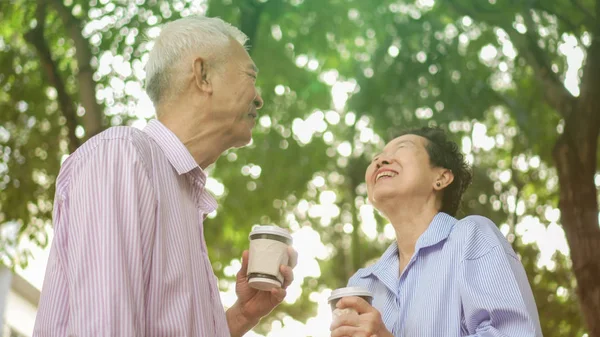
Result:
[{"x": 478, "y": 235}]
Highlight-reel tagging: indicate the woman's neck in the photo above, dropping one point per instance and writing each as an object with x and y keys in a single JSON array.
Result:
[{"x": 410, "y": 223}]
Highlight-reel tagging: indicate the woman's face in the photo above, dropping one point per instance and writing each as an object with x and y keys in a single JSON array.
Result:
[{"x": 401, "y": 171}]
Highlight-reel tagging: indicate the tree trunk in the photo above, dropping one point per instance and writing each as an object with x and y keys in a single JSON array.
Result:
[
  {"x": 575, "y": 156},
  {"x": 36, "y": 38},
  {"x": 92, "y": 120}
]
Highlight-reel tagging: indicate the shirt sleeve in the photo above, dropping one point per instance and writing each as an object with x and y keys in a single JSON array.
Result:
[
  {"x": 110, "y": 210},
  {"x": 496, "y": 297}
]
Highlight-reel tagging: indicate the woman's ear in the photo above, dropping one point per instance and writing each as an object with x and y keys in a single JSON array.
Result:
[{"x": 445, "y": 178}]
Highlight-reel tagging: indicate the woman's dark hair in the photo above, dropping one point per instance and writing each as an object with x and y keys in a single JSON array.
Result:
[{"x": 445, "y": 153}]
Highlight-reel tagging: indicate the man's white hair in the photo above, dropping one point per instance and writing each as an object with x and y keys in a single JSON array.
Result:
[{"x": 179, "y": 37}]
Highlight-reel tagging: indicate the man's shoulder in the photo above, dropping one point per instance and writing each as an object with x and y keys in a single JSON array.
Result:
[
  {"x": 120, "y": 142},
  {"x": 477, "y": 235},
  {"x": 117, "y": 137}
]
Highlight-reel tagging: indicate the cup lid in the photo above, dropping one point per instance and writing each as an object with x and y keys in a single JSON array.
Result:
[
  {"x": 273, "y": 230},
  {"x": 349, "y": 291}
]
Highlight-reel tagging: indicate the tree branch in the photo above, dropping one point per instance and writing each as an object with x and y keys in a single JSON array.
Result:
[
  {"x": 36, "y": 38},
  {"x": 589, "y": 18},
  {"x": 597, "y": 16},
  {"x": 575, "y": 27},
  {"x": 92, "y": 120},
  {"x": 555, "y": 92},
  {"x": 250, "y": 20}
]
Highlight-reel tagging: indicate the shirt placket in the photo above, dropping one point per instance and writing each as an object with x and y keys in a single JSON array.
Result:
[
  {"x": 402, "y": 289},
  {"x": 202, "y": 212}
]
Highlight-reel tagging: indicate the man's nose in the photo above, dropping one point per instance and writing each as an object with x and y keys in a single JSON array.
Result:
[{"x": 258, "y": 101}]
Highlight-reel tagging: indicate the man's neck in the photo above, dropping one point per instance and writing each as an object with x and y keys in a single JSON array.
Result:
[{"x": 203, "y": 137}]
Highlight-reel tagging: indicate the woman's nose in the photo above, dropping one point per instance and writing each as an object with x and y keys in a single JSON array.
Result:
[{"x": 382, "y": 161}]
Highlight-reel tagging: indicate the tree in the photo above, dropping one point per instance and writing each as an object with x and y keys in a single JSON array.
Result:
[
  {"x": 485, "y": 71},
  {"x": 535, "y": 93}
]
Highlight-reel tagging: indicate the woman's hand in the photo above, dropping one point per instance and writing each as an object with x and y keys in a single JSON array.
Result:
[{"x": 366, "y": 321}]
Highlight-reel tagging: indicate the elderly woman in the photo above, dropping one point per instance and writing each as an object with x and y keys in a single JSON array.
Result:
[{"x": 442, "y": 276}]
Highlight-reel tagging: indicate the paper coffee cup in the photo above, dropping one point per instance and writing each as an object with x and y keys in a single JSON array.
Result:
[
  {"x": 340, "y": 293},
  {"x": 268, "y": 251}
]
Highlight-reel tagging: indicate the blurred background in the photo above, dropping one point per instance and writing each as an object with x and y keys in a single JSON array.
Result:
[{"x": 515, "y": 83}]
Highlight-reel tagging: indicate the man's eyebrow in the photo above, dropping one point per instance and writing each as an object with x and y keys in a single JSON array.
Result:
[{"x": 253, "y": 67}]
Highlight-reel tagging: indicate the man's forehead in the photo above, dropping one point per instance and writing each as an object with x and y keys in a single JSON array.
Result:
[{"x": 241, "y": 56}]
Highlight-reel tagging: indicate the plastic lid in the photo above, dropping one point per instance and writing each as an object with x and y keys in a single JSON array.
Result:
[
  {"x": 273, "y": 230},
  {"x": 349, "y": 291}
]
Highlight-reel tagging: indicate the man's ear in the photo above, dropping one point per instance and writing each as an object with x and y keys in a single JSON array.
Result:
[{"x": 201, "y": 78}]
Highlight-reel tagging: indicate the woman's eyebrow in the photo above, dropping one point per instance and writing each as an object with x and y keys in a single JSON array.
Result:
[
  {"x": 404, "y": 141},
  {"x": 398, "y": 143}
]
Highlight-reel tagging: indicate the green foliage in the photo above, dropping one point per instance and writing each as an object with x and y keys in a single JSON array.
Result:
[{"x": 404, "y": 64}]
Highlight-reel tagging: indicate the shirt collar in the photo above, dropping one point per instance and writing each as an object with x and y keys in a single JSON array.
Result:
[
  {"x": 177, "y": 154},
  {"x": 181, "y": 159},
  {"x": 438, "y": 230},
  {"x": 386, "y": 269},
  {"x": 387, "y": 260}
]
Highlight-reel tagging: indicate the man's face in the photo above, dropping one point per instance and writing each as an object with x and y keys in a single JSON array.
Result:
[
  {"x": 235, "y": 99},
  {"x": 401, "y": 171}
]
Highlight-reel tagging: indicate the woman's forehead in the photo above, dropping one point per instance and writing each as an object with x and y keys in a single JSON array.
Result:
[{"x": 407, "y": 139}]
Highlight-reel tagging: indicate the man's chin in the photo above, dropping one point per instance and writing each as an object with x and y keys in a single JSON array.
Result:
[{"x": 243, "y": 141}]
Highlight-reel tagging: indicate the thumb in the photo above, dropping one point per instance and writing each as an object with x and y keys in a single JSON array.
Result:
[{"x": 244, "y": 269}]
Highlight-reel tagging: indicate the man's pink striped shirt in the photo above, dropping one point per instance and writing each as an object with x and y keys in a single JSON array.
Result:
[{"x": 129, "y": 256}]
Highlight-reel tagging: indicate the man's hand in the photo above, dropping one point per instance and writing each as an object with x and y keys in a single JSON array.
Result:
[
  {"x": 365, "y": 322},
  {"x": 253, "y": 304}
]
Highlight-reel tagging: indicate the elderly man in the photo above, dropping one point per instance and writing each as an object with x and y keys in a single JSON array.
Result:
[{"x": 129, "y": 256}]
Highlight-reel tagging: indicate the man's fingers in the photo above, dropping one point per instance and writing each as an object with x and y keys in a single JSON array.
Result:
[
  {"x": 278, "y": 294},
  {"x": 288, "y": 275},
  {"x": 244, "y": 270},
  {"x": 293, "y": 254}
]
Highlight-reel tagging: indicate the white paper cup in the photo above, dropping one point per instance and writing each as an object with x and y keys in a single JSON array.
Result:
[
  {"x": 268, "y": 251},
  {"x": 340, "y": 293}
]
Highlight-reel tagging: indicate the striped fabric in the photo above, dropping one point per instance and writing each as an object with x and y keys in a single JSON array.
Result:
[
  {"x": 129, "y": 256},
  {"x": 464, "y": 279}
]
